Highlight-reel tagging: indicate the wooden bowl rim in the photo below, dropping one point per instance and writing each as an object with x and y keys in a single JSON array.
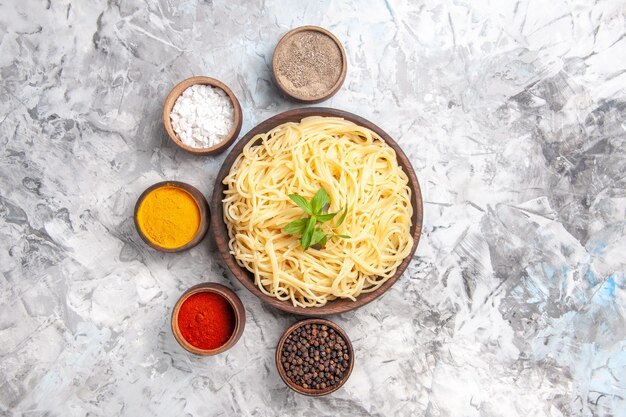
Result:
[
  {"x": 308, "y": 391},
  {"x": 235, "y": 303},
  {"x": 246, "y": 278},
  {"x": 203, "y": 206},
  {"x": 171, "y": 100},
  {"x": 334, "y": 89}
]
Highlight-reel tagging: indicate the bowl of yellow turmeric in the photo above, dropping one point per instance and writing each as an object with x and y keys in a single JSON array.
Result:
[{"x": 172, "y": 216}]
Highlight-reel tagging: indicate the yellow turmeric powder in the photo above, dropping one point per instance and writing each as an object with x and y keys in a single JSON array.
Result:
[{"x": 169, "y": 217}]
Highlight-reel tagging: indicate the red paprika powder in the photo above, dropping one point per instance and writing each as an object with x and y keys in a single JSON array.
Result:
[{"x": 206, "y": 320}]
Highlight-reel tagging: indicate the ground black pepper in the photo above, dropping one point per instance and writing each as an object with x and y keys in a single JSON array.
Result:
[
  {"x": 309, "y": 64},
  {"x": 315, "y": 356}
]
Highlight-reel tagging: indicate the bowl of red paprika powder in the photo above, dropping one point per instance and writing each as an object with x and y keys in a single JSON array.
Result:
[{"x": 208, "y": 319}]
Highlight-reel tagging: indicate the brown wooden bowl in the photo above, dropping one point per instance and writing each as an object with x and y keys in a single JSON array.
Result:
[
  {"x": 235, "y": 303},
  {"x": 293, "y": 94},
  {"x": 173, "y": 96},
  {"x": 309, "y": 391},
  {"x": 203, "y": 206},
  {"x": 220, "y": 231}
]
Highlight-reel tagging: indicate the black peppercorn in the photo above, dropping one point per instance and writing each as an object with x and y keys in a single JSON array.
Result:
[{"x": 315, "y": 357}]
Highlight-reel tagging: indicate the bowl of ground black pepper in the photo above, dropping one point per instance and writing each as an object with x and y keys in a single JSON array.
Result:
[
  {"x": 314, "y": 357},
  {"x": 309, "y": 64}
]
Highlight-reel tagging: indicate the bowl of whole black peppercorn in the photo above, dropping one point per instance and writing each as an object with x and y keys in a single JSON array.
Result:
[{"x": 314, "y": 357}]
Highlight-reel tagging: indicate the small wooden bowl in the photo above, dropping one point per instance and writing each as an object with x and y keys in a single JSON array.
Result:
[
  {"x": 235, "y": 303},
  {"x": 220, "y": 231},
  {"x": 294, "y": 95},
  {"x": 171, "y": 100},
  {"x": 203, "y": 206},
  {"x": 309, "y": 391}
]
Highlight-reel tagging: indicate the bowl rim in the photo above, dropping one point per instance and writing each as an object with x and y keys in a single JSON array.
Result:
[
  {"x": 283, "y": 373},
  {"x": 173, "y": 95},
  {"x": 246, "y": 278},
  {"x": 201, "y": 202},
  {"x": 235, "y": 303},
  {"x": 342, "y": 76}
]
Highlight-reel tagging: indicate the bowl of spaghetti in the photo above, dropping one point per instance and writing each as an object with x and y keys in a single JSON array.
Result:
[{"x": 366, "y": 177}]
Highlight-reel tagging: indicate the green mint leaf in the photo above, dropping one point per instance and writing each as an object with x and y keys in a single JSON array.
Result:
[
  {"x": 305, "y": 241},
  {"x": 320, "y": 199},
  {"x": 325, "y": 208},
  {"x": 296, "y": 227},
  {"x": 326, "y": 217},
  {"x": 302, "y": 203},
  {"x": 344, "y": 236},
  {"x": 318, "y": 235},
  {"x": 323, "y": 241},
  {"x": 342, "y": 218}
]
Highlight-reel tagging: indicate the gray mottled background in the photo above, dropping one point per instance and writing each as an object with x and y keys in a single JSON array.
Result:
[{"x": 512, "y": 113}]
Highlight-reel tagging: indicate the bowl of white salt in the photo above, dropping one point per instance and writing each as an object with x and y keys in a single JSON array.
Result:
[{"x": 202, "y": 115}]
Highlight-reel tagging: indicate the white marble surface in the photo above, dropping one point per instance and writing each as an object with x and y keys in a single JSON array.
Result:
[{"x": 513, "y": 115}]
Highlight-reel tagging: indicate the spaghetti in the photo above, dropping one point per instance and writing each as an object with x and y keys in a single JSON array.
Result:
[{"x": 358, "y": 170}]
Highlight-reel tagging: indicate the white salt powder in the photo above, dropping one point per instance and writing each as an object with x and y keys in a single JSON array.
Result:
[{"x": 202, "y": 116}]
